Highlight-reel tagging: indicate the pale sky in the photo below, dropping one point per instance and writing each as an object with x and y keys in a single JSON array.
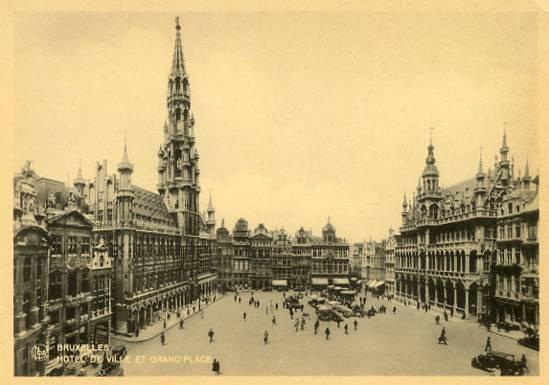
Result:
[{"x": 299, "y": 116}]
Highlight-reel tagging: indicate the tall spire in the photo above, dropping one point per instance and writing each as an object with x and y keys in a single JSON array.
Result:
[
  {"x": 480, "y": 170},
  {"x": 504, "y": 148},
  {"x": 430, "y": 168},
  {"x": 404, "y": 203},
  {"x": 125, "y": 163},
  {"x": 178, "y": 66},
  {"x": 210, "y": 205},
  {"x": 79, "y": 180},
  {"x": 527, "y": 170}
]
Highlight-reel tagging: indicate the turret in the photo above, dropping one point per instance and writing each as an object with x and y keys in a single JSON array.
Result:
[
  {"x": 79, "y": 182},
  {"x": 404, "y": 212},
  {"x": 527, "y": 179},
  {"x": 210, "y": 222},
  {"x": 125, "y": 195},
  {"x": 430, "y": 173}
]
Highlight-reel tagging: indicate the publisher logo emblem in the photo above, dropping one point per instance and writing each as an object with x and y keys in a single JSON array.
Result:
[{"x": 39, "y": 352}]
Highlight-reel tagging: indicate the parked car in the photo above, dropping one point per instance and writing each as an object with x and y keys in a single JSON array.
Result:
[
  {"x": 504, "y": 361},
  {"x": 507, "y": 326},
  {"x": 345, "y": 311},
  {"x": 531, "y": 342}
]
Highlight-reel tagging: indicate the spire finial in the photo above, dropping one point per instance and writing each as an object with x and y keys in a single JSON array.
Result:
[
  {"x": 504, "y": 142},
  {"x": 210, "y": 205},
  {"x": 527, "y": 169},
  {"x": 177, "y": 25},
  {"x": 431, "y": 136},
  {"x": 480, "y": 171}
]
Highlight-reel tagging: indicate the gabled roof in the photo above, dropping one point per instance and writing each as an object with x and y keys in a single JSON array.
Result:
[{"x": 72, "y": 218}]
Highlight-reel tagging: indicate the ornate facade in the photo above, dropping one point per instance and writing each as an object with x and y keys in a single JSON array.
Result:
[
  {"x": 31, "y": 245},
  {"x": 161, "y": 244},
  {"x": 266, "y": 260},
  {"x": 448, "y": 237}
]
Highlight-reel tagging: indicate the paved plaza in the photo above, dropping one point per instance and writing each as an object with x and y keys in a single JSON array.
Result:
[{"x": 387, "y": 344}]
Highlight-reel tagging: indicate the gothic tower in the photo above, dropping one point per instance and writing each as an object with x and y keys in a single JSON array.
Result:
[{"x": 178, "y": 170}]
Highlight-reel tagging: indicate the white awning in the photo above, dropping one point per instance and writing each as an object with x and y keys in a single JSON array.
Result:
[
  {"x": 280, "y": 282},
  {"x": 341, "y": 281},
  {"x": 319, "y": 281},
  {"x": 378, "y": 284}
]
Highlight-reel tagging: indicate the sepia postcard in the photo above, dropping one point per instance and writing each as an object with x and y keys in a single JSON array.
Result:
[{"x": 280, "y": 190}]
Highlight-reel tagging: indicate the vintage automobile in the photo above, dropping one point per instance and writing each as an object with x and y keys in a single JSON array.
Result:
[
  {"x": 507, "y": 326},
  {"x": 504, "y": 361},
  {"x": 110, "y": 372},
  {"x": 326, "y": 313},
  {"x": 343, "y": 310},
  {"x": 531, "y": 342}
]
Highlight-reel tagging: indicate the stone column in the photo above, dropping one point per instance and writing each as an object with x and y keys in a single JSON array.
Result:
[
  {"x": 19, "y": 314},
  {"x": 436, "y": 295},
  {"x": 454, "y": 306},
  {"x": 466, "y": 302},
  {"x": 33, "y": 312},
  {"x": 427, "y": 300}
]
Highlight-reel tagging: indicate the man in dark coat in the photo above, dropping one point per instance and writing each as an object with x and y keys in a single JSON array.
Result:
[
  {"x": 488, "y": 347},
  {"x": 327, "y": 332}
]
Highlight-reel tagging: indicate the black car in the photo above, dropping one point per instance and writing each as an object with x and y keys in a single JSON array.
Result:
[
  {"x": 504, "y": 361},
  {"x": 530, "y": 342}
]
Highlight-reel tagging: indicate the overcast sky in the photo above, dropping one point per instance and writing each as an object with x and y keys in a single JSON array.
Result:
[{"x": 299, "y": 116}]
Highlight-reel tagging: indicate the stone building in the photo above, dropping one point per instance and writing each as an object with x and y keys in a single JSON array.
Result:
[
  {"x": 31, "y": 244},
  {"x": 390, "y": 245},
  {"x": 261, "y": 258},
  {"x": 375, "y": 266},
  {"x": 266, "y": 260},
  {"x": 330, "y": 259},
  {"x": 516, "y": 267},
  {"x": 448, "y": 237}
]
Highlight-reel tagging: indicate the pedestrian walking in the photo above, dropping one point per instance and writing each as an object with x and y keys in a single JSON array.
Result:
[
  {"x": 235, "y": 297},
  {"x": 164, "y": 324},
  {"x": 346, "y": 327},
  {"x": 394, "y": 309},
  {"x": 338, "y": 322},
  {"x": 524, "y": 363},
  {"x": 488, "y": 347},
  {"x": 244, "y": 316},
  {"x": 276, "y": 306},
  {"x": 274, "y": 321},
  {"x": 296, "y": 324},
  {"x": 442, "y": 339},
  {"x": 327, "y": 332},
  {"x": 181, "y": 324},
  {"x": 265, "y": 337},
  {"x": 239, "y": 300},
  {"x": 355, "y": 324},
  {"x": 445, "y": 316},
  {"x": 451, "y": 312},
  {"x": 211, "y": 335},
  {"x": 215, "y": 367},
  {"x": 162, "y": 338},
  {"x": 437, "y": 320}
]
